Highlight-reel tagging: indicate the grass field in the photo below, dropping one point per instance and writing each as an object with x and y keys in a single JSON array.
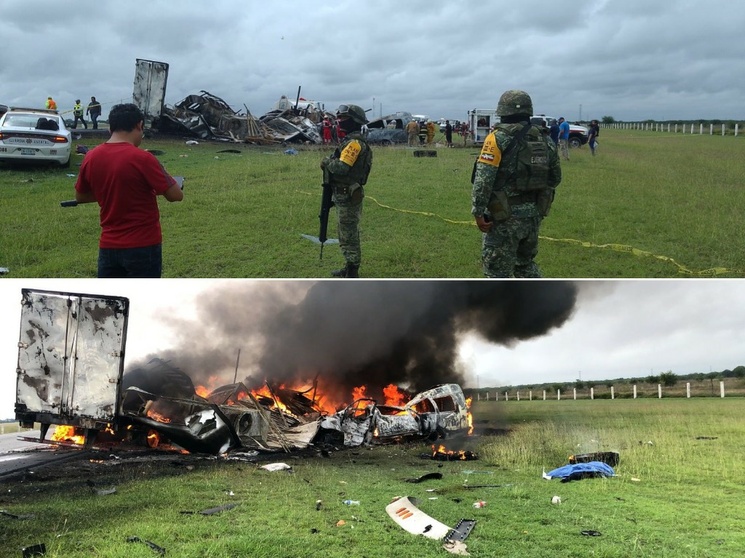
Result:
[
  {"x": 649, "y": 205},
  {"x": 677, "y": 492}
]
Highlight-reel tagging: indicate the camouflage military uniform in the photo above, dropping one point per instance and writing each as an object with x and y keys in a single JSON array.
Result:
[
  {"x": 347, "y": 170},
  {"x": 510, "y": 246}
]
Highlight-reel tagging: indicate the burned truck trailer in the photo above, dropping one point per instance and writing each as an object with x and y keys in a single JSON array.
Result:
[{"x": 70, "y": 359}]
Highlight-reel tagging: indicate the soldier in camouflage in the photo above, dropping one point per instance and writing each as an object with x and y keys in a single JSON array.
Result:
[
  {"x": 512, "y": 191},
  {"x": 347, "y": 171}
]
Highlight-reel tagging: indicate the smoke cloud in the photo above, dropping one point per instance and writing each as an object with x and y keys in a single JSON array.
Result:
[{"x": 348, "y": 334}]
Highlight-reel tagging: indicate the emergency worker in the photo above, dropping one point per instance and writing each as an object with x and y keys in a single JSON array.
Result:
[
  {"x": 77, "y": 112},
  {"x": 51, "y": 104},
  {"x": 347, "y": 171},
  {"x": 514, "y": 182}
]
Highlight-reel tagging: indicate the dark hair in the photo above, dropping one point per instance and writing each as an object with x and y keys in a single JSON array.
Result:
[{"x": 124, "y": 117}]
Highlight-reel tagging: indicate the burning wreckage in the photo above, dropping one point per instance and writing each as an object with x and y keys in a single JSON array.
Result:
[{"x": 71, "y": 374}]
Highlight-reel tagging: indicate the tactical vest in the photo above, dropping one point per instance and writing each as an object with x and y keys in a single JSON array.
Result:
[
  {"x": 361, "y": 170},
  {"x": 525, "y": 163}
]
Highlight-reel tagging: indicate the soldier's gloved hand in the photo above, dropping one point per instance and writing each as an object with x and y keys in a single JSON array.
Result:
[{"x": 483, "y": 224}]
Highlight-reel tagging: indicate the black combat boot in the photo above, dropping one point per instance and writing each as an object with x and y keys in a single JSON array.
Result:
[{"x": 349, "y": 271}]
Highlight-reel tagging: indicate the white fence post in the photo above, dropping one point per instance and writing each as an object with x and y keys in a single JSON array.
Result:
[
  {"x": 721, "y": 389},
  {"x": 612, "y": 392},
  {"x": 737, "y": 129},
  {"x": 518, "y": 395},
  {"x": 723, "y": 129},
  {"x": 634, "y": 391},
  {"x": 592, "y": 393},
  {"x": 659, "y": 391},
  {"x": 496, "y": 396},
  {"x": 688, "y": 390},
  {"x": 530, "y": 395},
  {"x": 558, "y": 395},
  {"x": 575, "y": 393},
  {"x": 711, "y": 129},
  {"x": 544, "y": 394},
  {"x": 701, "y": 129},
  {"x": 506, "y": 397}
]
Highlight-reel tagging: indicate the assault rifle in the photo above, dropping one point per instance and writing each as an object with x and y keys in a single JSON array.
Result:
[{"x": 326, "y": 204}]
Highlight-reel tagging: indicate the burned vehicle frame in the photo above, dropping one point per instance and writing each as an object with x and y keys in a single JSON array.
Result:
[{"x": 435, "y": 413}]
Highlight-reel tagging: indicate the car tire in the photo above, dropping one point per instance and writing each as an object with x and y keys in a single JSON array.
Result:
[{"x": 575, "y": 142}]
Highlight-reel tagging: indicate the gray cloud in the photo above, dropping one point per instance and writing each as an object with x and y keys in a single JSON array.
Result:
[{"x": 627, "y": 59}]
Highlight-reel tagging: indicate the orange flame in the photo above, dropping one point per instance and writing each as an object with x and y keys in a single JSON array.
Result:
[
  {"x": 469, "y": 415},
  {"x": 394, "y": 396},
  {"x": 67, "y": 434},
  {"x": 360, "y": 392}
]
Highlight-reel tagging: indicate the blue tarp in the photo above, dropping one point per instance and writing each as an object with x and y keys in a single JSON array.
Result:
[{"x": 582, "y": 471}]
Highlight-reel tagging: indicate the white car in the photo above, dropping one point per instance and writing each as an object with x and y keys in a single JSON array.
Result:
[{"x": 35, "y": 135}]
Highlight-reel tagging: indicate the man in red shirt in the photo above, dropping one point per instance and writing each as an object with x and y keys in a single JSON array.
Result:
[{"x": 125, "y": 181}]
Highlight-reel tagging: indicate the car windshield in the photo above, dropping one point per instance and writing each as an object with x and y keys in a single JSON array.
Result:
[{"x": 26, "y": 120}]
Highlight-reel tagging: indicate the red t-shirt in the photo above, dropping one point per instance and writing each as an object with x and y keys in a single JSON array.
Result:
[{"x": 125, "y": 181}]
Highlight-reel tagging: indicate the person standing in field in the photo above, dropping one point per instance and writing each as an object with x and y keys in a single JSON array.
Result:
[
  {"x": 346, "y": 170},
  {"x": 448, "y": 133},
  {"x": 94, "y": 111},
  {"x": 514, "y": 182},
  {"x": 412, "y": 131},
  {"x": 77, "y": 112},
  {"x": 564, "y": 138},
  {"x": 125, "y": 182},
  {"x": 553, "y": 132},
  {"x": 593, "y": 136}
]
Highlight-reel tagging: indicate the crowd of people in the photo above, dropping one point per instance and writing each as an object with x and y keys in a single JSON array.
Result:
[{"x": 93, "y": 110}]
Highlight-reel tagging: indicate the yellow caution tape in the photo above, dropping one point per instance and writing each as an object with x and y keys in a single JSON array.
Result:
[{"x": 711, "y": 272}]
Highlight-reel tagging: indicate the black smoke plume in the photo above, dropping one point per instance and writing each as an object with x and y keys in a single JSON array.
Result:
[{"x": 348, "y": 334}]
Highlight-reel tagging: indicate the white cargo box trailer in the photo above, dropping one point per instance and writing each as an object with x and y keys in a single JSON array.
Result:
[{"x": 70, "y": 359}]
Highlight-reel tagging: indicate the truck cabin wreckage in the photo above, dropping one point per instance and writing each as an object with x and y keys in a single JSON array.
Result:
[{"x": 71, "y": 374}]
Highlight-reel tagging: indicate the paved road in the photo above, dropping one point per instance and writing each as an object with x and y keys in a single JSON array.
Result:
[{"x": 17, "y": 454}]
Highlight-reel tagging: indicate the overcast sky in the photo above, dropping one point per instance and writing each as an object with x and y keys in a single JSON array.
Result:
[
  {"x": 619, "y": 329},
  {"x": 629, "y": 59}
]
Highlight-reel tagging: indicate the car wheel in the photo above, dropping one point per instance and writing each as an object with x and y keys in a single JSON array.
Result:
[
  {"x": 575, "y": 142},
  {"x": 386, "y": 142}
]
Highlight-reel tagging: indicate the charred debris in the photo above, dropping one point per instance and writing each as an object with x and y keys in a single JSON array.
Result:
[{"x": 208, "y": 117}]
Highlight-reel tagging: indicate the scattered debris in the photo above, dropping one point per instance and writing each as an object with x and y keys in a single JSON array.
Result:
[
  {"x": 441, "y": 453},
  {"x": 106, "y": 491},
  {"x": 34, "y": 550},
  {"x": 591, "y": 533},
  {"x": 15, "y": 516},
  {"x": 461, "y": 531},
  {"x": 351, "y": 502},
  {"x": 706, "y": 437},
  {"x": 579, "y": 471},
  {"x": 479, "y": 504},
  {"x": 612, "y": 458},
  {"x": 556, "y": 500},
  {"x": 277, "y": 467},
  {"x": 456, "y": 547},
  {"x": 428, "y": 476},
  {"x": 159, "y": 549},
  {"x": 212, "y": 511},
  {"x": 415, "y": 521}
]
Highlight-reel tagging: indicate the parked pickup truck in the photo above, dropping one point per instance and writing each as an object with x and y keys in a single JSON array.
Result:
[{"x": 578, "y": 135}]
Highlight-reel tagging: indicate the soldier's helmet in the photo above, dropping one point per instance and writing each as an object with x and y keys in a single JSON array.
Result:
[
  {"x": 513, "y": 102},
  {"x": 352, "y": 111}
]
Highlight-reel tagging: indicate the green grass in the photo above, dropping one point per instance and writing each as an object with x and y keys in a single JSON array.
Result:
[
  {"x": 649, "y": 205},
  {"x": 673, "y": 494}
]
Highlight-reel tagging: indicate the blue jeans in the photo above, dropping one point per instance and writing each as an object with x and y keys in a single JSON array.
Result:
[{"x": 130, "y": 262}]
